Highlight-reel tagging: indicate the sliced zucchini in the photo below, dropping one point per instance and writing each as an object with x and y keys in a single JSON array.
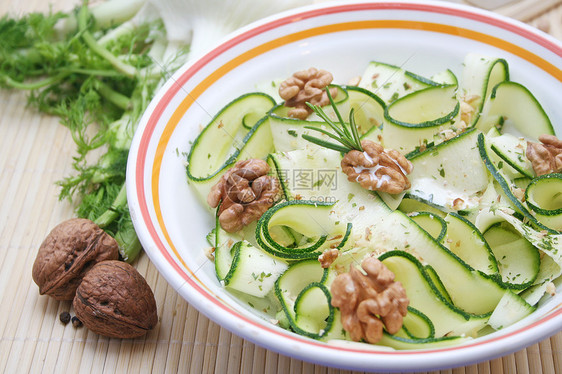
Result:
[
  {"x": 479, "y": 76},
  {"x": 413, "y": 204},
  {"x": 423, "y": 295},
  {"x": 456, "y": 282},
  {"x": 509, "y": 172},
  {"x": 449, "y": 171},
  {"x": 223, "y": 242},
  {"x": 533, "y": 294},
  {"x": 416, "y": 325},
  {"x": 483, "y": 148},
  {"x": 467, "y": 242},
  {"x": 433, "y": 224},
  {"x": 336, "y": 331},
  {"x": 414, "y": 119},
  {"x": 511, "y": 150},
  {"x": 469, "y": 289},
  {"x": 544, "y": 197},
  {"x": 522, "y": 182},
  {"x": 323, "y": 181},
  {"x": 374, "y": 135},
  {"x": 550, "y": 247},
  {"x": 252, "y": 270},
  {"x": 223, "y": 260},
  {"x": 225, "y": 140},
  {"x": 391, "y": 82},
  {"x": 548, "y": 272},
  {"x": 437, "y": 282},
  {"x": 309, "y": 174},
  {"x": 511, "y": 308},
  {"x": 302, "y": 293},
  {"x": 250, "y": 119},
  {"x": 518, "y": 260},
  {"x": 313, "y": 310},
  {"x": 311, "y": 219},
  {"x": 549, "y": 244},
  {"x": 215, "y": 144},
  {"x": 368, "y": 109},
  {"x": 287, "y": 132},
  {"x": 445, "y": 78},
  {"x": 518, "y": 107}
]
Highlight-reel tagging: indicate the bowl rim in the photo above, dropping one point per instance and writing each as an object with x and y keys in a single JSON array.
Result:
[{"x": 199, "y": 296}]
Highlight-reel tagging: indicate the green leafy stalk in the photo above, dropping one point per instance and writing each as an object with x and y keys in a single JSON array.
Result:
[
  {"x": 113, "y": 96},
  {"x": 83, "y": 18},
  {"x": 107, "y": 217},
  {"x": 36, "y": 84},
  {"x": 116, "y": 221},
  {"x": 346, "y": 134},
  {"x": 326, "y": 144},
  {"x": 98, "y": 81}
]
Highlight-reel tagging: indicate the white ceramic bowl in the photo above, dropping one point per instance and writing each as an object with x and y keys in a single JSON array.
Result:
[{"x": 425, "y": 37}]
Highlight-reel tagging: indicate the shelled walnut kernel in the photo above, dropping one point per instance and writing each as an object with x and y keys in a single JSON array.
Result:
[
  {"x": 377, "y": 169},
  {"x": 244, "y": 193},
  {"x": 306, "y": 86},
  {"x": 546, "y": 156},
  {"x": 369, "y": 302}
]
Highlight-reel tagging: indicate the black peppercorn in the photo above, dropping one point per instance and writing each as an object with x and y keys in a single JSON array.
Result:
[
  {"x": 76, "y": 322},
  {"x": 64, "y": 317}
]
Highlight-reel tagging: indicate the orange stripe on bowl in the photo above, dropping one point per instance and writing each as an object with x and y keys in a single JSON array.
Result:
[{"x": 290, "y": 38}]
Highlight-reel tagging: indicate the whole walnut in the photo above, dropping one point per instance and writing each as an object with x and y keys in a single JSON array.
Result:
[
  {"x": 67, "y": 253},
  {"x": 114, "y": 300}
]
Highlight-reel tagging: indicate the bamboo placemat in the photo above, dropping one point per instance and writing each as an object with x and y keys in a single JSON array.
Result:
[{"x": 36, "y": 151}]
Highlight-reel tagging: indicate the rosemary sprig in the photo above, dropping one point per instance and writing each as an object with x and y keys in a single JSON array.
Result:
[{"x": 345, "y": 133}]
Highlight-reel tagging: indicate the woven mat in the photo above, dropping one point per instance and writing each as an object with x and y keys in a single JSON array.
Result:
[{"x": 35, "y": 151}]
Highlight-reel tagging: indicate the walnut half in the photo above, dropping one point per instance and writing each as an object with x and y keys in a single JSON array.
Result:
[
  {"x": 244, "y": 193},
  {"x": 546, "y": 156},
  {"x": 306, "y": 86},
  {"x": 369, "y": 302},
  {"x": 377, "y": 169}
]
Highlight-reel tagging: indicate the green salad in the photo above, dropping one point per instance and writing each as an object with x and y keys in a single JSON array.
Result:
[{"x": 401, "y": 210}]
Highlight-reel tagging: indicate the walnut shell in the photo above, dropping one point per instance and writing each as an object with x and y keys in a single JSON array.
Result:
[
  {"x": 67, "y": 253},
  {"x": 114, "y": 300}
]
